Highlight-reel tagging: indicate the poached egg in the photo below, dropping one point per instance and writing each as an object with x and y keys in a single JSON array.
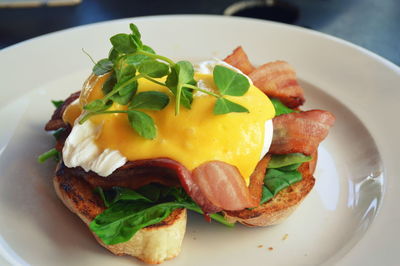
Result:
[{"x": 105, "y": 142}]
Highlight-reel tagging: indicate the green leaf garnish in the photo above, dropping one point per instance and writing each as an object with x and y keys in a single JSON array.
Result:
[
  {"x": 153, "y": 68},
  {"x": 281, "y": 173},
  {"x": 57, "y": 103},
  {"x": 131, "y": 210},
  {"x": 142, "y": 123},
  {"x": 280, "y": 108},
  {"x": 53, "y": 153},
  {"x": 136, "y": 36},
  {"x": 102, "y": 67},
  {"x": 282, "y": 160},
  {"x": 123, "y": 43},
  {"x": 130, "y": 60},
  {"x": 224, "y": 106},
  {"x": 125, "y": 93},
  {"x": 150, "y": 100},
  {"x": 123, "y": 70},
  {"x": 122, "y": 220},
  {"x": 230, "y": 82},
  {"x": 113, "y": 54},
  {"x": 266, "y": 195},
  {"x": 97, "y": 105}
]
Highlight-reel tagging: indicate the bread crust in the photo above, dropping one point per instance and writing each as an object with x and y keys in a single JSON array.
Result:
[
  {"x": 153, "y": 244},
  {"x": 282, "y": 205}
]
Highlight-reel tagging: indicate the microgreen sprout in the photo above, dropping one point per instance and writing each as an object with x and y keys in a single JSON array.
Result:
[{"x": 130, "y": 60}]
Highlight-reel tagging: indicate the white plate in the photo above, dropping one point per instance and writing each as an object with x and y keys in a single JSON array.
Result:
[{"x": 351, "y": 216}]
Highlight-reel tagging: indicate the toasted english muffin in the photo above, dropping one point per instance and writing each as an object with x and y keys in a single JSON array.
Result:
[{"x": 153, "y": 244}]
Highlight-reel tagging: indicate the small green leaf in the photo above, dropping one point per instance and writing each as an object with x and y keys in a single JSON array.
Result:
[
  {"x": 109, "y": 84},
  {"x": 182, "y": 73},
  {"x": 153, "y": 68},
  {"x": 266, "y": 195},
  {"x": 53, "y": 153},
  {"x": 100, "y": 192},
  {"x": 280, "y": 108},
  {"x": 128, "y": 89},
  {"x": 127, "y": 194},
  {"x": 113, "y": 54},
  {"x": 137, "y": 59},
  {"x": 230, "y": 82},
  {"x": 97, "y": 106},
  {"x": 187, "y": 97},
  {"x": 125, "y": 93},
  {"x": 148, "y": 49},
  {"x": 172, "y": 80},
  {"x": 136, "y": 37},
  {"x": 224, "y": 106},
  {"x": 185, "y": 72},
  {"x": 275, "y": 184},
  {"x": 142, "y": 123},
  {"x": 290, "y": 177},
  {"x": 282, "y": 160},
  {"x": 123, "y": 43},
  {"x": 150, "y": 100},
  {"x": 125, "y": 73},
  {"x": 102, "y": 67},
  {"x": 57, "y": 103},
  {"x": 135, "y": 30}
]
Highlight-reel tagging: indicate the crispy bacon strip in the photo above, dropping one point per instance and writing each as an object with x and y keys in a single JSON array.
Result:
[
  {"x": 56, "y": 121},
  {"x": 300, "y": 132},
  {"x": 224, "y": 186},
  {"x": 135, "y": 174},
  {"x": 278, "y": 79},
  {"x": 239, "y": 59},
  {"x": 214, "y": 185}
]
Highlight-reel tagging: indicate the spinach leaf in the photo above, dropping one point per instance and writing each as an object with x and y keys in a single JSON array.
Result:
[
  {"x": 57, "y": 103},
  {"x": 129, "y": 211},
  {"x": 281, "y": 173},
  {"x": 123, "y": 219},
  {"x": 282, "y": 160}
]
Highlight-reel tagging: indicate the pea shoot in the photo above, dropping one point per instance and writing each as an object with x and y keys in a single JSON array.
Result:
[{"x": 130, "y": 60}]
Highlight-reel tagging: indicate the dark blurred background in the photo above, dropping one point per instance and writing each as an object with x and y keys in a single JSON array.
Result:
[{"x": 372, "y": 24}]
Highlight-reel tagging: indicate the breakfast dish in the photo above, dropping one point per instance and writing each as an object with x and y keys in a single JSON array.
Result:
[
  {"x": 148, "y": 138},
  {"x": 352, "y": 205}
]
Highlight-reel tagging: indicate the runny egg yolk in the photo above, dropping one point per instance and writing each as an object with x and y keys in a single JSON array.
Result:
[{"x": 194, "y": 136}]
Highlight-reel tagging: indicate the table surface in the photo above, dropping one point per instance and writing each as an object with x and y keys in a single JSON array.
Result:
[{"x": 371, "y": 24}]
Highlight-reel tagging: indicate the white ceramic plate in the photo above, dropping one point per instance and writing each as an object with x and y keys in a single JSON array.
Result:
[{"x": 350, "y": 217}]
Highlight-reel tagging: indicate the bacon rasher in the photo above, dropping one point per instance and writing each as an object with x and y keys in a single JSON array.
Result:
[
  {"x": 223, "y": 185},
  {"x": 278, "y": 80},
  {"x": 239, "y": 59},
  {"x": 300, "y": 132}
]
